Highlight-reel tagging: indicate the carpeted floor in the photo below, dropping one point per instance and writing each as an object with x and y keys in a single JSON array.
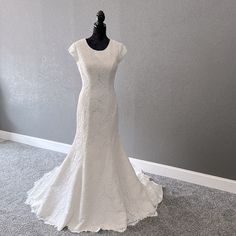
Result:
[{"x": 186, "y": 209}]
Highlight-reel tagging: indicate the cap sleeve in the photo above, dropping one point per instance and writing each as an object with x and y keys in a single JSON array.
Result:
[
  {"x": 122, "y": 52},
  {"x": 73, "y": 52}
]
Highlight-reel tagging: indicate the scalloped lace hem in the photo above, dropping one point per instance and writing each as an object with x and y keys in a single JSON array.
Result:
[
  {"x": 97, "y": 228},
  {"x": 144, "y": 178}
]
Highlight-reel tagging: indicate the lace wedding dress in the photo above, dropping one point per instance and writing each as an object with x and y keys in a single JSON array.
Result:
[{"x": 95, "y": 187}]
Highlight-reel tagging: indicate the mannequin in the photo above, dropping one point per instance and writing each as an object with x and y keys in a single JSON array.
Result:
[{"x": 99, "y": 40}]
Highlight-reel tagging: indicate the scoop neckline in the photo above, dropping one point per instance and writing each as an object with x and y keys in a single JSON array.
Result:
[{"x": 95, "y": 49}]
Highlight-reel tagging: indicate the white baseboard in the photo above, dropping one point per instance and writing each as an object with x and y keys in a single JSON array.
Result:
[
  {"x": 147, "y": 166},
  {"x": 190, "y": 176},
  {"x": 36, "y": 142}
]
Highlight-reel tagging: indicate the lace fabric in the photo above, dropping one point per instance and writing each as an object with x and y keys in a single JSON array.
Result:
[{"x": 95, "y": 187}]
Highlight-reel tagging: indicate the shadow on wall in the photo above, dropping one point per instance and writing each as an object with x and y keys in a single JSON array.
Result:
[{"x": 3, "y": 111}]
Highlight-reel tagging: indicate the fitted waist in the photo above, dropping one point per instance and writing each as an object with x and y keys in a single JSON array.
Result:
[
  {"x": 95, "y": 92},
  {"x": 98, "y": 88}
]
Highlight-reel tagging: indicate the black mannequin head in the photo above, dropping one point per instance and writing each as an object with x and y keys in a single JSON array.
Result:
[
  {"x": 100, "y": 16},
  {"x": 99, "y": 39},
  {"x": 99, "y": 26}
]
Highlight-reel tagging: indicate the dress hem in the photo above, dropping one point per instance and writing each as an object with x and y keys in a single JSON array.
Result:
[{"x": 29, "y": 202}]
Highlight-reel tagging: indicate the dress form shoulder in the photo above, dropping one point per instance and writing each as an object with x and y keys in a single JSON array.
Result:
[
  {"x": 122, "y": 52},
  {"x": 73, "y": 50}
]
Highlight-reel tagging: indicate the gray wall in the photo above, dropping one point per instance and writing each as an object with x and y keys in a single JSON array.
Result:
[{"x": 176, "y": 86}]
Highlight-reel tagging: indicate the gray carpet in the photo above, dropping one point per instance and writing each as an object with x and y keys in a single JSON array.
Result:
[{"x": 186, "y": 209}]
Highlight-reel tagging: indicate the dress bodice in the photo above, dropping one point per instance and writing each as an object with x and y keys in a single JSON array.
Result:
[{"x": 97, "y": 67}]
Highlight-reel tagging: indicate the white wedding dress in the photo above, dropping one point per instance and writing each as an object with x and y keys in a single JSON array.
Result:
[{"x": 95, "y": 187}]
